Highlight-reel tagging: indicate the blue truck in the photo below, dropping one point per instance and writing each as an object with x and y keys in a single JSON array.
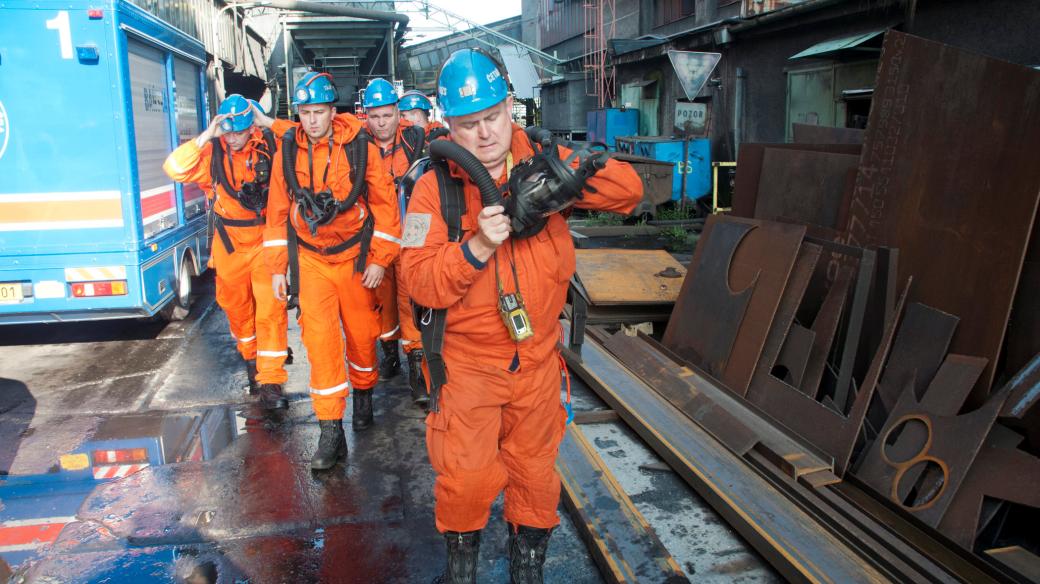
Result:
[
  {"x": 34, "y": 508},
  {"x": 93, "y": 97}
]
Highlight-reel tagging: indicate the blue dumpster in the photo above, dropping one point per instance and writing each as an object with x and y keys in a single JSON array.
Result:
[
  {"x": 604, "y": 125},
  {"x": 696, "y": 165}
]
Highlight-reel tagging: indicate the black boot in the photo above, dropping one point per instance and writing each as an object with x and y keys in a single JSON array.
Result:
[
  {"x": 463, "y": 549},
  {"x": 254, "y": 387},
  {"x": 390, "y": 365},
  {"x": 271, "y": 397},
  {"x": 332, "y": 445},
  {"x": 527, "y": 547},
  {"x": 415, "y": 378},
  {"x": 362, "y": 409}
]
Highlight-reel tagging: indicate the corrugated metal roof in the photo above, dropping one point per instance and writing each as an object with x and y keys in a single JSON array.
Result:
[
  {"x": 838, "y": 44},
  {"x": 622, "y": 46}
]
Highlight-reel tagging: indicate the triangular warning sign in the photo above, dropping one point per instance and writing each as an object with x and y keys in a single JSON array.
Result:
[{"x": 694, "y": 69}]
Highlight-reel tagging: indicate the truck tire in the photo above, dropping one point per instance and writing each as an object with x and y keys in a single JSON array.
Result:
[{"x": 179, "y": 307}]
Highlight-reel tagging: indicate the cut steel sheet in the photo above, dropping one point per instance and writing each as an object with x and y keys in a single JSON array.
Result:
[
  {"x": 806, "y": 186},
  {"x": 794, "y": 356},
  {"x": 708, "y": 314},
  {"x": 805, "y": 265},
  {"x": 812, "y": 134},
  {"x": 816, "y": 423},
  {"x": 950, "y": 446},
  {"x": 934, "y": 164},
  {"x": 749, "y": 171},
  {"x": 825, "y": 327},
  {"x": 702, "y": 320},
  {"x": 919, "y": 350}
]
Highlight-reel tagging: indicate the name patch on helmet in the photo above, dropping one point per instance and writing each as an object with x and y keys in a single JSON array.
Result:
[
  {"x": 416, "y": 226},
  {"x": 468, "y": 90},
  {"x": 302, "y": 94}
]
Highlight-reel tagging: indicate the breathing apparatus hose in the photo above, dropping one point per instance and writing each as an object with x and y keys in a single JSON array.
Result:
[
  {"x": 320, "y": 208},
  {"x": 445, "y": 150}
]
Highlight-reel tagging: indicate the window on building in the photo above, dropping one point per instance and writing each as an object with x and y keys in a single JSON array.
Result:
[{"x": 666, "y": 11}]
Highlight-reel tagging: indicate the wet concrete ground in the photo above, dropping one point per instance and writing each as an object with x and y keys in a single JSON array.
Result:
[{"x": 250, "y": 509}]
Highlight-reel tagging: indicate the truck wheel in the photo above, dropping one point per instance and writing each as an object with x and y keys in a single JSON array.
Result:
[{"x": 179, "y": 307}]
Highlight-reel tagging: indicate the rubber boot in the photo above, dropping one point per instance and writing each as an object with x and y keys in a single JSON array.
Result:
[
  {"x": 272, "y": 397},
  {"x": 254, "y": 387},
  {"x": 415, "y": 378},
  {"x": 527, "y": 547},
  {"x": 362, "y": 409},
  {"x": 332, "y": 445},
  {"x": 390, "y": 364},
  {"x": 463, "y": 549}
]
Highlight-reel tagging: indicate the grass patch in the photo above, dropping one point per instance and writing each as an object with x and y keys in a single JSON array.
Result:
[
  {"x": 675, "y": 213},
  {"x": 603, "y": 218}
]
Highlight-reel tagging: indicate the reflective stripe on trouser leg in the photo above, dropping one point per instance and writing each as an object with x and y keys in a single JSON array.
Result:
[
  {"x": 271, "y": 324},
  {"x": 533, "y": 425},
  {"x": 322, "y": 335},
  {"x": 235, "y": 297},
  {"x": 462, "y": 442},
  {"x": 386, "y": 298},
  {"x": 357, "y": 306},
  {"x": 410, "y": 336}
]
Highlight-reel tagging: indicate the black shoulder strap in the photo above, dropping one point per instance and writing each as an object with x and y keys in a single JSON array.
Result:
[
  {"x": 216, "y": 167},
  {"x": 433, "y": 323},
  {"x": 270, "y": 141}
]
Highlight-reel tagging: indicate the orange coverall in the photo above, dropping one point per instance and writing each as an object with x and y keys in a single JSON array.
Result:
[
  {"x": 500, "y": 425},
  {"x": 258, "y": 320},
  {"x": 396, "y": 307},
  {"x": 333, "y": 302}
]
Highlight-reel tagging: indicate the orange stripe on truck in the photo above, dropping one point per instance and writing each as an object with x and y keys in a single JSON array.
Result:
[{"x": 52, "y": 211}]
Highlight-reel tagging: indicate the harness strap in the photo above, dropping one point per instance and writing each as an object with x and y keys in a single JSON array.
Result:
[
  {"x": 220, "y": 224},
  {"x": 433, "y": 323}
]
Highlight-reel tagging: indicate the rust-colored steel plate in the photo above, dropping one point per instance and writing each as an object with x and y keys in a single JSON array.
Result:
[
  {"x": 919, "y": 350},
  {"x": 749, "y": 170},
  {"x": 629, "y": 276},
  {"x": 949, "y": 447},
  {"x": 815, "y": 422},
  {"x": 797, "y": 283},
  {"x": 949, "y": 176},
  {"x": 807, "y": 186},
  {"x": 810, "y": 134},
  {"x": 944, "y": 397},
  {"x": 710, "y": 310},
  {"x": 794, "y": 356},
  {"x": 825, "y": 328},
  {"x": 1001, "y": 471}
]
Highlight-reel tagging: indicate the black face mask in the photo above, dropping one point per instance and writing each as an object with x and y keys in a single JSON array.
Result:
[{"x": 546, "y": 184}]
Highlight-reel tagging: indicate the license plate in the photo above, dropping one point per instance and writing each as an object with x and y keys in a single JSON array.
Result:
[{"x": 11, "y": 292}]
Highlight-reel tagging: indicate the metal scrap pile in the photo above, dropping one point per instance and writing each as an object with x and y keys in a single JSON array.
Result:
[{"x": 851, "y": 371}]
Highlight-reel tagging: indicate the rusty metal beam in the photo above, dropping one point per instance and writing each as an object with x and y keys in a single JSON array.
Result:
[
  {"x": 622, "y": 543},
  {"x": 785, "y": 535}
]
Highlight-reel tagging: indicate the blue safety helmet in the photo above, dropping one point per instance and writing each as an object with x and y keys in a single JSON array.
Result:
[
  {"x": 240, "y": 115},
  {"x": 414, "y": 99},
  {"x": 314, "y": 88},
  {"x": 379, "y": 92},
  {"x": 469, "y": 81}
]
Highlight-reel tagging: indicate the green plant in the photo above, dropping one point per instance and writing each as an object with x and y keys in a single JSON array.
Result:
[
  {"x": 602, "y": 218},
  {"x": 675, "y": 213}
]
